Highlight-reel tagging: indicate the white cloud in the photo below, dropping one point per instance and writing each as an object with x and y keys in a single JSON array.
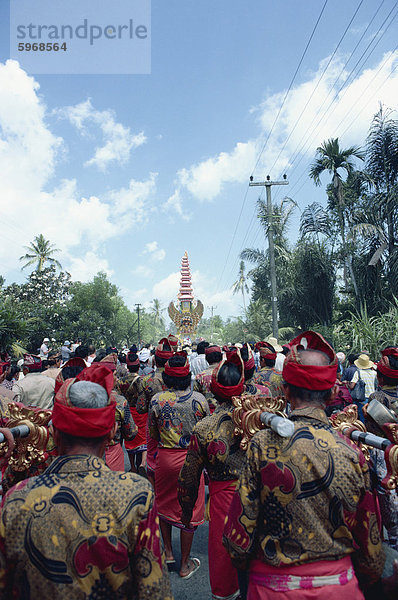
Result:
[
  {"x": 174, "y": 207},
  {"x": 329, "y": 113},
  {"x": 84, "y": 268},
  {"x": 156, "y": 254},
  {"x": 142, "y": 271},
  {"x": 204, "y": 288},
  {"x": 28, "y": 161},
  {"x": 118, "y": 139}
]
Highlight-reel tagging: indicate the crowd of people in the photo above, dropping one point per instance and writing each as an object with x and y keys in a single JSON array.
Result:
[{"x": 301, "y": 516}]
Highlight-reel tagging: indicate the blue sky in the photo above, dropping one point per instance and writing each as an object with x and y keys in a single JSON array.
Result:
[{"x": 126, "y": 172}]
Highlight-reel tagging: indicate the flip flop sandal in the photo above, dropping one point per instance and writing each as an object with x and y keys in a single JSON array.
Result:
[
  {"x": 171, "y": 561},
  {"x": 196, "y": 563}
]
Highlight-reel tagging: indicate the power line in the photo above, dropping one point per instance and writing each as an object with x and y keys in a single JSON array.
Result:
[{"x": 290, "y": 85}]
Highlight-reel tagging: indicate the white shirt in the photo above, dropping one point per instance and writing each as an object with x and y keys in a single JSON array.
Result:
[
  {"x": 369, "y": 377},
  {"x": 43, "y": 350}
]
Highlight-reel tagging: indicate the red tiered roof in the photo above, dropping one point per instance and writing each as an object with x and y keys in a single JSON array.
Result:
[{"x": 185, "y": 282}]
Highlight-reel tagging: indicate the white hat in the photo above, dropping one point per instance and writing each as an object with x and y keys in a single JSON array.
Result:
[
  {"x": 46, "y": 340},
  {"x": 66, "y": 343},
  {"x": 274, "y": 342}
]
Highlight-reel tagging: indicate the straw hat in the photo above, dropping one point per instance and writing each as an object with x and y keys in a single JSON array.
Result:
[
  {"x": 364, "y": 362},
  {"x": 274, "y": 342}
]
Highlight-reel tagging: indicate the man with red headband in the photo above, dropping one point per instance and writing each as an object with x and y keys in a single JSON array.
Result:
[
  {"x": 203, "y": 379},
  {"x": 129, "y": 384},
  {"x": 251, "y": 387},
  {"x": 154, "y": 383},
  {"x": 268, "y": 375},
  {"x": 304, "y": 514},
  {"x": 80, "y": 530},
  {"x": 172, "y": 416},
  {"x": 215, "y": 446}
]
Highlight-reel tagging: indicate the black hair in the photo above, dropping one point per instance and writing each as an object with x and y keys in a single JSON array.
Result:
[
  {"x": 71, "y": 371},
  {"x": 229, "y": 375},
  {"x": 133, "y": 368},
  {"x": 122, "y": 358},
  {"x": 177, "y": 383},
  {"x": 160, "y": 362},
  {"x": 201, "y": 347},
  {"x": 315, "y": 396},
  {"x": 91, "y": 349},
  {"x": 352, "y": 358},
  {"x": 249, "y": 373},
  {"x": 270, "y": 362},
  {"x": 100, "y": 354},
  {"x": 13, "y": 370},
  {"x": 213, "y": 357},
  {"x": 81, "y": 351}
]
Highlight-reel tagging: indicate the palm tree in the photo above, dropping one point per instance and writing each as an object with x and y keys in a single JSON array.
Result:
[
  {"x": 240, "y": 284},
  {"x": 331, "y": 158},
  {"x": 40, "y": 251},
  {"x": 382, "y": 166},
  {"x": 156, "y": 311}
]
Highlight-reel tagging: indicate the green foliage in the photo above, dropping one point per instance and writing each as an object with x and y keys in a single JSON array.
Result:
[{"x": 40, "y": 251}]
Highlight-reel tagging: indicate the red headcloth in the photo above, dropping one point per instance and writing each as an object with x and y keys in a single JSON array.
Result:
[
  {"x": 85, "y": 422},
  {"x": 310, "y": 377},
  {"x": 249, "y": 363},
  {"x": 161, "y": 352},
  {"x": 32, "y": 362},
  {"x": 173, "y": 341},
  {"x": 384, "y": 363},
  {"x": 132, "y": 359},
  {"x": 259, "y": 345},
  {"x": 178, "y": 371},
  {"x": 228, "y": 391},
  {"x": 210, "y": 349},
  {"x": 109, "y": 361},
  {"x": 267, "y": 351}
]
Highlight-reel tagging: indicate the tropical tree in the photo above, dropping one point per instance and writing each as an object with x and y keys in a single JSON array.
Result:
[
  {"x": 39, "y": 252},
  {"x": 240, "y": 284},
  {"x": 331, "y": 158}
]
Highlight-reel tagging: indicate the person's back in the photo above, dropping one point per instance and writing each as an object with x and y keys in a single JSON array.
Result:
[
  {"x": 304, "y": 512},
  {"x": 82, "y": 542},
  {"x": 80, "y": 530},
  {"x": 35, "y": 389}
]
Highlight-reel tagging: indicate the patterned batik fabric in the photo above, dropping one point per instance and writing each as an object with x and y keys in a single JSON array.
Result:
[
  {"x": 256, "y": 389},
  {"x": 305, "y": 498},
  {"x": 131, "y": 386},
  {"x": 127, "y": 429},
  {"x": 269, "y": 377},
  {"x": 78, "y": 531},
  {"x": 153, "y": 384},
  {"x": 202, "y": 385},
  {"x": 172, "y": 416},
  {"x": 213, "y": 446}
]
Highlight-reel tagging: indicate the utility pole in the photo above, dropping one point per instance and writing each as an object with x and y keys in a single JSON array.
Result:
[
  {"x": 212, "y": 308},
  {"x": 138, "y": 321},
  {"x": 274, "y": 298}
]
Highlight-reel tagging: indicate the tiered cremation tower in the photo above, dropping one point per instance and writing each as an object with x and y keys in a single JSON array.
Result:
[{"x": 188, "y": 314}]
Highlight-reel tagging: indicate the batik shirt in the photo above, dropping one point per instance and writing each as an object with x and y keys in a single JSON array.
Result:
[
  {"x": 153, "y": 384},
  {"x": 256, "y": 389},
  {"x": 269, "y": 377},
  {"x": 79, "y": 531},
  {"x": 213, "y": 446},
  {"x": 202, "y": 384},
  {"x": 172, "y": 416},
  {"x": 130, "y": 385},
  {"x": 127, "y": 429},
  {"x": 305, "y": 498}
]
